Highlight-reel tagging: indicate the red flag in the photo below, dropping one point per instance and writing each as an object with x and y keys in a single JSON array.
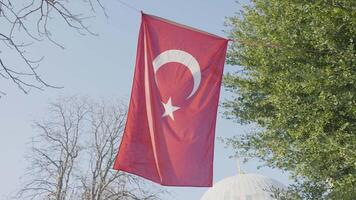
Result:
[{"x": 170, "y": 128}]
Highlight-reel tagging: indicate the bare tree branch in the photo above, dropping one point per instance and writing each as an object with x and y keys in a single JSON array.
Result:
[
  {"x": 102, "y": 182},
  {"x": 30, "y": 20},
  {"x": 73, "y": 155}
]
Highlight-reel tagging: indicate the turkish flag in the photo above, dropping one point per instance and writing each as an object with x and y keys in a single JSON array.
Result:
[{"x": 170, "y": 128}]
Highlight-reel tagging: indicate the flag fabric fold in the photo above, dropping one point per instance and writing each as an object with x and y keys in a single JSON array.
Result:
[{"x": 170, "y": 128}]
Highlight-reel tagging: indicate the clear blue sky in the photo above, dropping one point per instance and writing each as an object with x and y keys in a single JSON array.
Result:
[{"x": 102, "y": 67}]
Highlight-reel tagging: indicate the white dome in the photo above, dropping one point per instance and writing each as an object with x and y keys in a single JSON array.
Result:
[{"x": 243, "y": 187}]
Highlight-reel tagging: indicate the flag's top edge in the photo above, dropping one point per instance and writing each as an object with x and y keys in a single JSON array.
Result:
[{"x": 184, "y": 26}]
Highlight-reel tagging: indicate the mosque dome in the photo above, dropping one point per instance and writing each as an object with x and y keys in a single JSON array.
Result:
[{"x": 243, "y": 187}]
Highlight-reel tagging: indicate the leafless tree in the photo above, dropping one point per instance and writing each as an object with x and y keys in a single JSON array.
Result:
[
  {"x": 28, "y": 21},
  {"x": 54, "y": 152},
  {"x": 73, "y": 154},
  {"x": 101, "y": 182}
]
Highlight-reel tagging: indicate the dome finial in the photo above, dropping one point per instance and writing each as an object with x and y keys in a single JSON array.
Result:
[{"x": 238, "y": 165}]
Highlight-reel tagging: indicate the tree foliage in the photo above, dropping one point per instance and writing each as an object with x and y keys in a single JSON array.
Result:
[{"x": 296, "y": 81}]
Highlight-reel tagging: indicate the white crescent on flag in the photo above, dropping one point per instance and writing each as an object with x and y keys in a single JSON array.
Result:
[{"x": 185, "y": 59}]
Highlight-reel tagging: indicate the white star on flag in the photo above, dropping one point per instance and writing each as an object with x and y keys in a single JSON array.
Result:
[{"x": 169, "y": 109}]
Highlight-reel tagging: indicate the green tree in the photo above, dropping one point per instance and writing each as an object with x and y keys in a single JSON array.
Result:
[{"x": 296, "y": 82}]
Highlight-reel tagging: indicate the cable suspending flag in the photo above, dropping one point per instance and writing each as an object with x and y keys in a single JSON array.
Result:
[{"x": 170, "y": 128}]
